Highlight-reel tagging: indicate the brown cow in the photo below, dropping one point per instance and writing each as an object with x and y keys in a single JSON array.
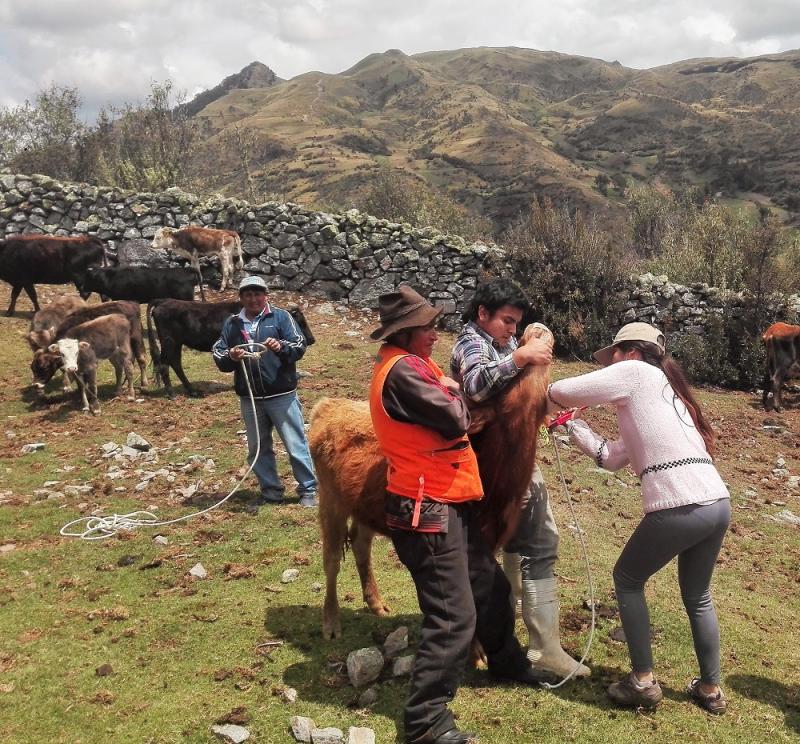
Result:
[
  {"x": 193, "y": 242},
  {"x": 783, "y": 360},
  {"x": 28, "y": 260},
  {"x": 107, "y": 337},
  {"x": 46, "y": 320}
]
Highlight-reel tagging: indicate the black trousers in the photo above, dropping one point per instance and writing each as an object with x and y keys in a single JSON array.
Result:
[{"x": 443, "y": 566}]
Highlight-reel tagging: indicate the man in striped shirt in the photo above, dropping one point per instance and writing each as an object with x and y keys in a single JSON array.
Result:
[{"x": 485, "y": 360}]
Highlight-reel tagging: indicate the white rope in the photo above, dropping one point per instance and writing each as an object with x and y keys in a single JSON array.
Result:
[
  {"x": 101, "y": 527},
  {"x": 566, "y": 679}
]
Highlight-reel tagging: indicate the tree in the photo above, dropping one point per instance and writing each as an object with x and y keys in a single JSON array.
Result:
[
  {"x": 45, "y": 136},
  {"x": 601, "y": 180}
]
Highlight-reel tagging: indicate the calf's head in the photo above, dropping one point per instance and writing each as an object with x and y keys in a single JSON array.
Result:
[
  {"x": 163, "y": 238},
  {"x": 44, "y": 365},
  {"x": 68, "y": 349}
]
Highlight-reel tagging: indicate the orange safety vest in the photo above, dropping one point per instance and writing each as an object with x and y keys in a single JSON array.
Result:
[{"x": 422, "y": 463}]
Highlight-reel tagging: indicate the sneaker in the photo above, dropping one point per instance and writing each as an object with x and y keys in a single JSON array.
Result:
[
  {"x": 309, "y": 500},
  {"x": 714, "y": 702},
  {"x": 270, "y": 497},
  {"x": 631, "y": 692}
]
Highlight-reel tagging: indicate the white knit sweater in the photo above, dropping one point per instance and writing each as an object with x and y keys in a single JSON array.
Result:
[{"x": 656, "y": 431}]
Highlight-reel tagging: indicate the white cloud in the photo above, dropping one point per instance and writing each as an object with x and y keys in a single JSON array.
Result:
[{"x": 112, "y": 50}]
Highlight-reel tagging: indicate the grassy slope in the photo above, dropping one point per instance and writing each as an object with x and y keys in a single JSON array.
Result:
[
  {"x": 510, "y": 122},
  {"x": 186, "y": 652}
]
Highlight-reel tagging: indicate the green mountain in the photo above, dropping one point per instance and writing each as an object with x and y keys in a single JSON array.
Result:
[{"x": 496, "y": 126}]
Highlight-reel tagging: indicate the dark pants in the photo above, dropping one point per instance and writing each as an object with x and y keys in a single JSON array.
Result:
[{"x": 442, "y": 565}]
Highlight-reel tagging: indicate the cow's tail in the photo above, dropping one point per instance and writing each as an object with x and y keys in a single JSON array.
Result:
[{"x": 155, "y": 351}]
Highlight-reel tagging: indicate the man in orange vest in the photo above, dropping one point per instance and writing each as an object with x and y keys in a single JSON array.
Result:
[{"x": 421, "y": 422}]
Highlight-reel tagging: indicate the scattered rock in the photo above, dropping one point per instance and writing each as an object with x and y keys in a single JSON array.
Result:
[
  {"x": 33, "y": 447},
  {"x": 368, "y": 697},
  {"x": 302, "y": 728},
  {"x": 7, "y": 548},
  {"x": 396, "y": 642},
  {"x": 403, "y": 666},
  {"x": 50, "y": 484},
  {"x": 160, "y": 540},
  {"x": 104, "y": 670},
  {"x": 316, "y": 587},
  {"x": 289, "y": 695},
  {"x": 327, "y": 736},
  {"x": 230, "y": 733},
  {"x": 360, "y": 735},
  {"x": 198, "y": 571},
  {"x": 786, "y": 516},
  {"x": 290, "y": 575},
  {"x": 109, "y": 448},
  {"x": 364, "y": 666},
  {"x": 138, "y": 442},
  {"x": 130, "y": 452},
  {"x": 78, "y": 490}
]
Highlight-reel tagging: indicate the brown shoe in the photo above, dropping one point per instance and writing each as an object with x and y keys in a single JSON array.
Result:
[
  {"x": 714, "y": 702},
  {"x": 630, "y": 692}
]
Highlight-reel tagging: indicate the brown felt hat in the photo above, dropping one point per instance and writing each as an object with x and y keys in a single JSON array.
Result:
[
  {"x": 632, "y": 332},
  {"x": 404, "y": 308}
]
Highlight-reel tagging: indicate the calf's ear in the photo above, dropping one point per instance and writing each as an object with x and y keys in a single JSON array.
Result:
[
  {"x": 53, "y": 348},
  {"x": 84, "y": 345}
]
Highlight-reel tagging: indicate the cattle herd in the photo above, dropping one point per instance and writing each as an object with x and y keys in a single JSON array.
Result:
[{"x": 70, "y": 335}]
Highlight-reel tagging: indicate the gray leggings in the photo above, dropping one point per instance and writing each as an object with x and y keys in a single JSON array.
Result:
[{"x": 694, "y": 533}]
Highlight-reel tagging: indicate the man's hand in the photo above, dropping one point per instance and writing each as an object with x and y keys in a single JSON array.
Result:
[
  {"x": 449, "y": 382},
  {"x": 537, "y": 351},
  {"x": 273, "y": 344},
  {"x": 236, "y": 354}
]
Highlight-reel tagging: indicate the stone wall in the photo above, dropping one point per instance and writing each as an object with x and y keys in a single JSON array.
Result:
[{"x": 352, "y": 257}]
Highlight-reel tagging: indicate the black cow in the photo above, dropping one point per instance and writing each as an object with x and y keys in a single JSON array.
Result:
[
  {"x": 196, "y": 325},
  {"x": 140, "y": 284},
  {"x": 27, "y": 260},
  {"x": 783, "y": 361}
]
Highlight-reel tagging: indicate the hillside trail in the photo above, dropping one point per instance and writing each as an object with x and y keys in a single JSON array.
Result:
[{"x": 320, "y": 90}]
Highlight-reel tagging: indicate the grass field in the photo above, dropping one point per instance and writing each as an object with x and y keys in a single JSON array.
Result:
[{"x": 184, "y": 653}]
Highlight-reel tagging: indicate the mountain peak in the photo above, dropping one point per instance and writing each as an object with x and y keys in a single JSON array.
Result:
[{"x": 254, "y": 75}]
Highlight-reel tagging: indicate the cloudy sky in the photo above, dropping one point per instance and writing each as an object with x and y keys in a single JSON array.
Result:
[{"x": 112, "y": 50}]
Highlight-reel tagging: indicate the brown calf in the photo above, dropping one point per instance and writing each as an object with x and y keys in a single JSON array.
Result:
[{"x": 783, "y": 360}]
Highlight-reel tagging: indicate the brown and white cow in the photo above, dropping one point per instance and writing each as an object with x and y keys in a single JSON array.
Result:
[
  {"x": 783, "y": 360},
  {"x": 107, "y": 337},
  {"x": 194, "y": 242}
]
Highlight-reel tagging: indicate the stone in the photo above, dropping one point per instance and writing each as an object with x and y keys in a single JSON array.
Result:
[
  {"x": 140, "y": 252},
  {"x": 403, "y": 666},
  {"x": 289, "y": 695},
  {"x": 302, "y": 728},
  {"x": 230, "y": 733},
  {"x": 138, "y": 442},
  {"x": 78, "y": 490},
  {"x": 290, "y": 575},
  {"x": 160, "y": 540},
  {"x": 109, "y": 448},
  {"x": 32, "y": 447},
  {"x": 130, "y": 452},
  {"x": 364, "y": 666},
  {"x": 327, "y": 736},
  {"x": 198, "y": 571},
  {"x": 368, "y": 697},
  {"x": 395, "y": 642},
  {"x": 360, "y": 735}
]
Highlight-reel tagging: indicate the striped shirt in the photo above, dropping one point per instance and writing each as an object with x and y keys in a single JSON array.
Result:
[{"x": 479, "y": 365}]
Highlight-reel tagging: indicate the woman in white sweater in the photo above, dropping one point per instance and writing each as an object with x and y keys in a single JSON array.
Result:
[{"x": 668, "y": 443}]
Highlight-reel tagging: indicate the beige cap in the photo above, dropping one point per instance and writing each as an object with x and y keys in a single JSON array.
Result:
[{"x": 632, "y": 332}]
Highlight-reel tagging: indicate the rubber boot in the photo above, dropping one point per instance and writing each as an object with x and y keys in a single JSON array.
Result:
[{"x": 540, "y": 613}]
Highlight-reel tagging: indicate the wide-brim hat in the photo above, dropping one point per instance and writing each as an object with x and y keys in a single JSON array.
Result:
[
  {"x": 632, "y": 332},
  {"x": 404, "y": 308}
]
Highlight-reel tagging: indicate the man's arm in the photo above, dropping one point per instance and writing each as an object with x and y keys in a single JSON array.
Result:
[
  {"x": 482, "y": 375},
  {"x": 292, "y": 340},
  {"x": 220, "y": 351},
  {"x": 414, "y": 395}
]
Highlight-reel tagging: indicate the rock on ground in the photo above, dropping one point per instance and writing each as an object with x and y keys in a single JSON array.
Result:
[
  {"x": 364, "y": 666},
  {"x": 360, "y": 735},
  {"x": 327, "y": 736},
  {"x": 302, "y": 728},
  {"x": 395, "y": 642},
  {"x": 198, "y": 571},
  {"x": 231, "y": 733},
  {"x": 368, "y": 697},
  {"x": 403, "y": 666},
  {"x": 289, "y": 575}
]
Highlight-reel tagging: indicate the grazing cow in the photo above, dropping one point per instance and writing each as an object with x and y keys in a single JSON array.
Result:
[
  {"x": 107, "y": 337},
  {"x": 193, "y": 242},
  {"x": 140, "y": 284},
  {"x": 783, "y": 360},
  {"x": 28, "y": 260},
  {"x": 196, "y": 325},
  {"x": 129, "y": 309},
  {"x": 46, "y": 320}
]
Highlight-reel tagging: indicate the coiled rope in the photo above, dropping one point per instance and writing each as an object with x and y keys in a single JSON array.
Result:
[{"x": 98, "y": 527}]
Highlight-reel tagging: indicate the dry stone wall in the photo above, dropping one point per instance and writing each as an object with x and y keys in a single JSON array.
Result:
[{"x": 352, "y": 257}]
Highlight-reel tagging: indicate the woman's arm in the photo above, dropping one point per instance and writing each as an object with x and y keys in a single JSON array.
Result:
[
  {"x": 613, "y": 384},
  {"x": 608, "y": 455}
]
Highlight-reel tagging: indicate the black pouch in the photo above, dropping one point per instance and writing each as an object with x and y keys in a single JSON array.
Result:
[{"x": 433, "y": 515}]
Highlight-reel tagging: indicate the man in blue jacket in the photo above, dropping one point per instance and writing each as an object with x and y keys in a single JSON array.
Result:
[{"x": 273, "y": 378}]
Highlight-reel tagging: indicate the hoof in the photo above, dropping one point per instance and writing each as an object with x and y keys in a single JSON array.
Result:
[
  {"x": 195, "y": 394},
  {"x": 331, "y": 630}
]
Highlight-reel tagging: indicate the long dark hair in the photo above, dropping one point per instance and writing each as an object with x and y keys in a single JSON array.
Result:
[{"x": 652, "y": 354}]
